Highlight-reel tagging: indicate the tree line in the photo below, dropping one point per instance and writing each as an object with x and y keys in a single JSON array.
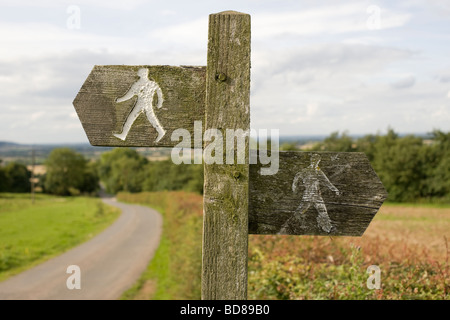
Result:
[
  {"x": 122, "y": 169},
  {"x": 411, "y": 168}
]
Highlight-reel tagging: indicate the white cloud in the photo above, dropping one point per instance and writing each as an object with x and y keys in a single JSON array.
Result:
[
  {"x": 404, "y": 82},
  {"x": 331, "y": 19},
  {"x": 192, "y": 33},
  {"x": 36, "y": 115},
  {"x": 321, "y": 66},
  {"x": 443, "y": 75},
  {"x": 323, "y": 88},
  {"x": 106, "y": 4},
  {"x": 315, "y": 68},
  {"x": 441, "y": 112},
  {"x": 21, "y": 40}
]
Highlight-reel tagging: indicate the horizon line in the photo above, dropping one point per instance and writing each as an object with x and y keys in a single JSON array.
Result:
[{"x": 284, "y": 136}]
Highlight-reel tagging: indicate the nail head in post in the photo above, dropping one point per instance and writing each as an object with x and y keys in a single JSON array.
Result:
[{"x": 221, "y": 77}]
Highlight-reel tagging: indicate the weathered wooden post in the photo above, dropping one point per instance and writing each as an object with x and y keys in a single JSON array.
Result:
[{"x": 225, "y": 200}]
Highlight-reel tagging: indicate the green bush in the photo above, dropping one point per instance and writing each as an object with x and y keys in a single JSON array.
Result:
[
  {"x": 165, "y": 175},
  {"x": 15, "y": 177},
  {"x": 68, "y": 173},
  {"x": 122, "y": 169}
]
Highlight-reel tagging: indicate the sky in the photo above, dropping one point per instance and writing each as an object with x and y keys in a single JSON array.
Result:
[{"x": 317, "y": 66}]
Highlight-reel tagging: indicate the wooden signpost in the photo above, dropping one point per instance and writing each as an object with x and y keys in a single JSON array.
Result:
[
  {"x": 103, "y": 114},
  {"x": 315, "y": 193},
  {"x": 319, "y": 193}
]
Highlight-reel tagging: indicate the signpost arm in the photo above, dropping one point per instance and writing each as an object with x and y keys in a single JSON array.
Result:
[{"x": 225, "y": 201}]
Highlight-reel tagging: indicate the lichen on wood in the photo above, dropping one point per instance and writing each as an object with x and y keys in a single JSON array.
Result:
[{"x": 225, "y": 227}]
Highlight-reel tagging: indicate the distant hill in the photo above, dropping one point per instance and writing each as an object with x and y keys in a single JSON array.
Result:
[
  {"x": 4, "y": 144},
  {"x": 11, "y": 151}
]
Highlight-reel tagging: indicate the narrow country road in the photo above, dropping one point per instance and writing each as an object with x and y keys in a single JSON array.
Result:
[{"x": 110, "y": 263}]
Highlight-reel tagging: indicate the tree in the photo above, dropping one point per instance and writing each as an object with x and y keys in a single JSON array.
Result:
[
  {"x": 17, "y": 177},
  {"x": 91, "y": 178},
  {"x": 3, "y": 179},
  {"x": 334, "y": 142},
  {"x": 438, "y": 160},
  {"x": 400, "y": 164},
  {"x": 122, "y": 169},
  {"x": 165, "y": 175},
  {"x": 366, "y": 144},
  {"x": 195, "y": 183},
  {"x": 68, "y": 173},
  {"x": 158, "y": 177}
]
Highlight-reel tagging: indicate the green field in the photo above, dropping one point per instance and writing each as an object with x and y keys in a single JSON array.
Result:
[
  {"x": 32, "y": 233},
  {"x": 407, "y": 242}
]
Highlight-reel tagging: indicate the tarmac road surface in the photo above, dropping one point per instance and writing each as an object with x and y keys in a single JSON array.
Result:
[{"x": 109, "y": 263}]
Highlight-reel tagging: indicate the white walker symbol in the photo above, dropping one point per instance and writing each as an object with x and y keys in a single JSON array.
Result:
[
  {"x": 312, "y": 177},
  {"x": 144, "y": 89}
]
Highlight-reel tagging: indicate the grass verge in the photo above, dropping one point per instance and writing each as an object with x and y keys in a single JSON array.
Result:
[{"x": 32, "y": 233}]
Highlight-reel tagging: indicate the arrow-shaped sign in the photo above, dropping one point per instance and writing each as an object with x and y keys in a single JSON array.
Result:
[
  {"x": 140, "y": 105},
  {"x": 315, "y": 193}
]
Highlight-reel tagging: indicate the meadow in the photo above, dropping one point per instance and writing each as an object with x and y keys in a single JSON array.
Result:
[
  {"x": 32, "y": 233},
  {"x": 407, "y": 242}
]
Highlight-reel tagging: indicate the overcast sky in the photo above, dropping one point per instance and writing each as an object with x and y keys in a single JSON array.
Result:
[{"x": 317, "y": 66}]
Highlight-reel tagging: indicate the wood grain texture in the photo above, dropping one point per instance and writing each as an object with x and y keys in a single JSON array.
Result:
[
  {"x": 183, "y": 90},
  {"x": 273, "y": 201},
  {"x": 225, "y": 224}
]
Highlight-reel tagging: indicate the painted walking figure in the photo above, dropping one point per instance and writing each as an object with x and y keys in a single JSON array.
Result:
[
  {"x": 312, "y": 177},
  {"x": 144, "y": 89}
]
